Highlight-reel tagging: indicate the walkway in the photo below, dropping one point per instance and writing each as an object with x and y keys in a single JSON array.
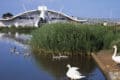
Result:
[{"x": 110, "y": 69}]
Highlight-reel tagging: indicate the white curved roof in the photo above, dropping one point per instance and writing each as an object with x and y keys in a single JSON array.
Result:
[
  {"x": 72, "y": 18},
  {"x": 26, "y": 12}
]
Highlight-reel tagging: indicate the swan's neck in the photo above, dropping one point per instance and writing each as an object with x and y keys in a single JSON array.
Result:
[
  {"x": 115, "y": 52},
  {"x": 69, "y": 66}
]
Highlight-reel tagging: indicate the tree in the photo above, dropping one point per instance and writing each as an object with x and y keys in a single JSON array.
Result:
[{"x": 7, "y": 15}]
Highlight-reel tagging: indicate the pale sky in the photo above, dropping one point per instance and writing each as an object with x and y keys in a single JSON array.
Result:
[{"x": 78, "y": 8}]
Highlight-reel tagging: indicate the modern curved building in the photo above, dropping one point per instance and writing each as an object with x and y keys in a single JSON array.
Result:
[{"x": 38, "y": 16}]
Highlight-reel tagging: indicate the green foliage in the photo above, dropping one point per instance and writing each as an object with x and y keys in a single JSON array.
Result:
[{"x": 73, "y": 38}]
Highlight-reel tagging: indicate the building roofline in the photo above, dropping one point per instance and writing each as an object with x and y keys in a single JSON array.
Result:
[
  {"x": 18, "y": 15},
  {"x": 71, "y": 18}
]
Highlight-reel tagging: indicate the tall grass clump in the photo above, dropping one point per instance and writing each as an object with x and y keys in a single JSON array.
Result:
[{"x": 72, "y": 38}]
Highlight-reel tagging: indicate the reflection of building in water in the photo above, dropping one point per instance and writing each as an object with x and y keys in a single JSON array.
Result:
[
  {"x": 22, "y": 38},
  {"x": 36, "y": 17}
]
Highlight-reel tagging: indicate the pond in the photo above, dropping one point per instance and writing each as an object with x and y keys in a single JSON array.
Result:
[{"x": 18, "y": 62}]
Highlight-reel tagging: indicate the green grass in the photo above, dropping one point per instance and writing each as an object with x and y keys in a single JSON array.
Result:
[{"x": 74, "y": 38}]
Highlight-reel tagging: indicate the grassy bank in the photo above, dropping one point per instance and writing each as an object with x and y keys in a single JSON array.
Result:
[{"x": 74, "y": 38}]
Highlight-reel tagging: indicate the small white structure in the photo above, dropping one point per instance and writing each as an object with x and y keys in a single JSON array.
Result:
[
  {"x": 43, "y": 10},
  {"x": 36, "y": 17},
  {"x": 1, "y": 23},
  {"x": 105, "y": 23}
]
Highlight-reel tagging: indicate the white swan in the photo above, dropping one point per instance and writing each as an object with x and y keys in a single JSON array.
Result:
[
  {"x": 63, "y": 56},
  {"x": 26, "y": 54},
  {"x": 114, "y": 56},
  {"x": 73, "y": 74},
  {"x": 59, "y": 56},
  {"x": 55, "y": 57}
]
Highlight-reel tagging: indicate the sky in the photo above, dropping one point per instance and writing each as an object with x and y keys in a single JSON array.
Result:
[{"x": 78, "y": 8}]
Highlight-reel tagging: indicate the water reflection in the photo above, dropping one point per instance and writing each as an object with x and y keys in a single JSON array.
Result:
[
  {"x": 58, "y": 69},
  {"x": 19, "y": 37},
  {"x": 18, "y": 43},
  {"x": 15, "y": 66}
]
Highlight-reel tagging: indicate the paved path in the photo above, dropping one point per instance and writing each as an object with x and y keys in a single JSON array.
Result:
[{"x": 110, "y": 69}]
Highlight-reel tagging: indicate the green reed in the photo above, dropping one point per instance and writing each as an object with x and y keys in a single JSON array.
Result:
[{"x": 73, "y": 37}]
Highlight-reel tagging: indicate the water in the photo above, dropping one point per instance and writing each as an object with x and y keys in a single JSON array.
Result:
[{"x": 26, "y": 65}]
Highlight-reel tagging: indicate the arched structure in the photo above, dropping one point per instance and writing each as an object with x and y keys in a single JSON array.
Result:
[{"x": 36, "y": 17}]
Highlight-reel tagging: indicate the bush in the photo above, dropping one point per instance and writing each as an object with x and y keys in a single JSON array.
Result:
[{"x": 72, "y": 38}]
